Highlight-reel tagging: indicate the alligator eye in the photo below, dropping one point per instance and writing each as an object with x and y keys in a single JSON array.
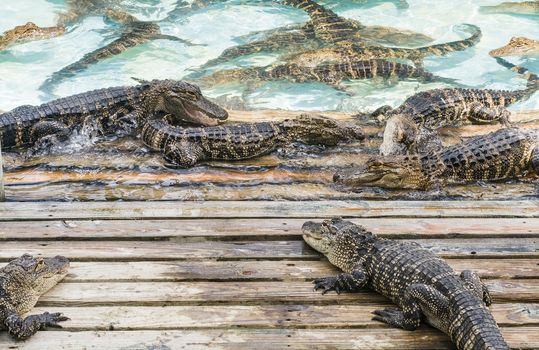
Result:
[{"x": 39, "y": 265}]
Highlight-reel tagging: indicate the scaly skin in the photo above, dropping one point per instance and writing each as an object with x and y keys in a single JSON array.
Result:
[
  {"x": 22, "y": 282},
  {"x": 184, "y": 147},
  {"x": 517, "y": 46},
  {"x": 349, "y": 52},
  {"x": 109, "y": 108},
  {"x": 28, "y": 32},
  {"x": 424, "y": 286},
  {"x": 505, "y": 154},
  {"x": 411, "y": 126},
  {"x": 521, "y": 8},
  {"x": 332, "y": 74},
  {"x": 77, "y": 10}
]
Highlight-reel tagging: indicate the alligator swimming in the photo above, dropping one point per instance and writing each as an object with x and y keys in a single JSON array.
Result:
[
  {"x": 135, "y": 33},
  {"x": 521, "y": 8},
  {"x": 409, "y": 127},
  {"x": 424, "y": 287},
  {"x": 332, "y": 74},
  {"x": 28, "y": 32},
  {"x": 517, "y": 46},
  {"x": 325, "y": 28},
  {"x": 184, "y": 147},
  {"x": 504, "y": 154},
  {"x": 22, "y": 282},
  {"x": 110, "y": 109}
]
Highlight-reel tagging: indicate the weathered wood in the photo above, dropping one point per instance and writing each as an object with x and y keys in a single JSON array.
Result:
[
  {"x": 255, "y": 316},
  {"x": 266, "y": 209},
  {"x": 2, "y": 191},
  {"x": 256, "y": 228},
  {"x": 203, "y": 249},
  {"x": 189, "y": 293},
  {"x": 278, "y": 270},
  {"x": 424, "y": 338}
]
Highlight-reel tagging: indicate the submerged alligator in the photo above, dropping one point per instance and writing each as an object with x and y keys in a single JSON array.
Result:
[
  {"x": 517, "y": 46},
  {"x": 110, "y": 109},
  {"x": 22, "y": 282},
  {"x": 504, "y": 154},
  {"x": 332, "y": 74},
  {"x": 409, "y": 128},
  {"x": 521, "y": 8},
  {"x": 28, "y": 32},
  {"x": 184, "y": 147},
  {"x": 424, "y": 286}
]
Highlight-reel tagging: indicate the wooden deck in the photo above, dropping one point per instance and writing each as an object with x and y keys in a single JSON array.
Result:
[{"x": 236, "y": 275}]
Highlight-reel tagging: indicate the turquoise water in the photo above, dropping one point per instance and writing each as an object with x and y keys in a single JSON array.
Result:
[{"x": 23, "y": 68}]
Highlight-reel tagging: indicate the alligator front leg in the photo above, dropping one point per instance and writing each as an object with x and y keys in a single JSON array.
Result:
[
  {"x": 183, "y": 154},
  {"x": 24, "y": 328},
  {"x": 482, "y": 114},
  {"x": 473, "y": 283},
  {"x": 419, "y": 299},
  {"x": 347, "y": 282}
]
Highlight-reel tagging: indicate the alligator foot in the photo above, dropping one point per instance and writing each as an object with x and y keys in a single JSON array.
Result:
[
  {"x": 392, "y": 316},
  {"x": 24, "y": 328}
]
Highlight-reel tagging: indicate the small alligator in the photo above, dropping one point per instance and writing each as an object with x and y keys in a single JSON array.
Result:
[
  {"x": 410, "y": 127},
  {"x": 342, "y": 53},
  {"x": 28, "y": 32},
  {"x": 332, "y": 74},
  {"x": 184, "y": 147},
  {"x": 520, "y": 8},
  {"x": 22, "y": 282},
  {"x": 110, "y": 108},
  {"x": 424, "y": 286},
  {"x": 517, "y": 46},
  {"x": 135, "y": 33},
  {"x": 504, "y": 154}
]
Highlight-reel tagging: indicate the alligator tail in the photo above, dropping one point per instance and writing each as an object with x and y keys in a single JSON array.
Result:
[
  {"x": 532, "y": 79},
  {"x": 459, "y": 45}
]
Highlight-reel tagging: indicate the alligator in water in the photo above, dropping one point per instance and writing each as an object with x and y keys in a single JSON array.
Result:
[
  {"x": 28, "y": 32},
  {"x": 517, "y": 46},
  {"x": 184, "y": 147},
  {"x": 110, "y": 109},
  {"x": 22, "y": 282},
  {"x": 410, "y": 127},
  {"x": 135, "y": 33},
  {"x": 324, "y": 28},
  {"x": 519, "y": 8},
  {"x": 505, "y": 154},
  {"x": 424, "y": 287}
]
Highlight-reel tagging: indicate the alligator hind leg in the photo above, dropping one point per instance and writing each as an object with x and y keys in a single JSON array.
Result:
[
  {"x": 183, "y": 154},
  {"x": 473, "y": 283},
  {"x": 47, "y": 133},
  {"x": 482, "y": 114},
  {"x": 419, "y": 299}
]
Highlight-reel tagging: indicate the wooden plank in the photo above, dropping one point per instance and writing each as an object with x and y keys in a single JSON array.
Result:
[
  {"x": 278, "y": 270},
  {"x": 202, "y": 249},
  {"x": 424, "y": 338},
  {"x": 266, "y": 209},
  {"x": 2, "y": 191},
  {"x": 257, "y": 316},
  {"x": 255, "y": 228},
  {"x": 188, "y": 293}
]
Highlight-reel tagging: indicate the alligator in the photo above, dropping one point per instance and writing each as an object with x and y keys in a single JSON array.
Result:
[
  {"x": 361, "y": 51},
  {"x": 324, "y": 28},
  {"x": 517, "y": 46},
  {"x": 332, "y": 74},
  {"x": 520, "y": 8},
  {"x": 135, "y": 33},
  {"x": 22, "y": 282},
  {"x": 77, "y": 10},
  {"x": 111, "y": 109},
  {"x": 421, "y": 284},
  {"x": 28, "y": 32},
  {"x": 184, "y": 147},
  {"x": 504, "y": 154},
  {"x": 409, "y": 128}
]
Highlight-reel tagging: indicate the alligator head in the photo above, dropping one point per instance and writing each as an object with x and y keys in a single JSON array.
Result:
[
  {"x": 339, "y": 240},
  {"x": 27, "y": 32},
  {"x": 517, "y": 46},
  {"x": 319, "y": 130},
  {"x": 33, "y": 276},
  {"x": 399, "y": 134},
  {"x": 183, "y": 101},
  {"x": 392, "y": 172}
]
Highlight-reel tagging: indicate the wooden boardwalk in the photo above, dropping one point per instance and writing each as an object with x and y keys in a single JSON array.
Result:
[{"x": 237, "y": 275}]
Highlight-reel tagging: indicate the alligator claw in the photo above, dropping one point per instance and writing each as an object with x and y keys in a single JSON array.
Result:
[
  {"x": 327, "y": 284},
  {"x": 52, "y": 319}
]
